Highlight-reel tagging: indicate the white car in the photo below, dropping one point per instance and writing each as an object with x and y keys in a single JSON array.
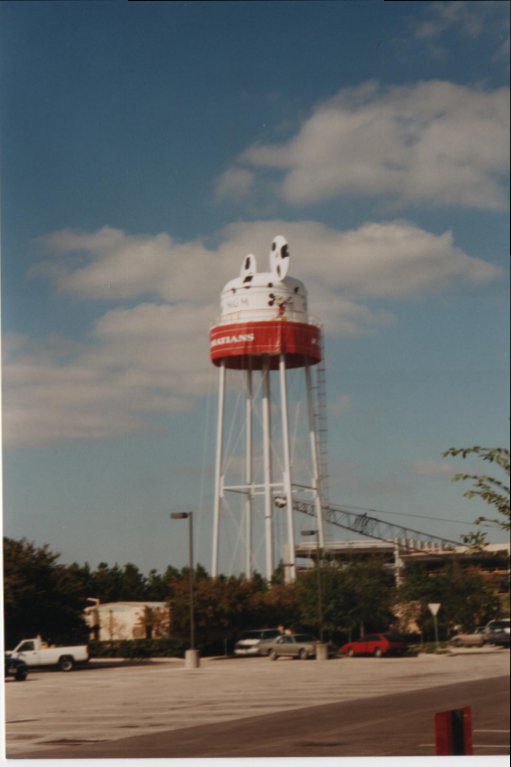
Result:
[
  {"x": 249, "y": 641},
  {"x": 474, "y": 638}
]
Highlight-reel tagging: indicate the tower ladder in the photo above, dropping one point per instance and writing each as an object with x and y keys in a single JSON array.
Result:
[{"x": 322, "y": 426}]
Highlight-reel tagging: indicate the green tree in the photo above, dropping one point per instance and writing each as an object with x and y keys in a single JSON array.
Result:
[
  {"x": 494, "y": 492},
  {"x": 278, "y": 605},
  {"x": 336, "y": 599},
  {"x": 224, "y": 607},
  {"x": 356, "y": 595},
  {"x": 40, "y": 595},
  {"x": 371, "y": 584},
  {"x": 466, "y": 598},
  {"x": 133, "y": 585},
  {"x": 106, "y": 582}
]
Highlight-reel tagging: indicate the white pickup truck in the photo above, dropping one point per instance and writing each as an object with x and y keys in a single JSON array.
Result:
[{"x": 35, "y": 652}]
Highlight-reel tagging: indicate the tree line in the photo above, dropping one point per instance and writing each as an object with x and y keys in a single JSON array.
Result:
[{"x": 43, "y": 596}]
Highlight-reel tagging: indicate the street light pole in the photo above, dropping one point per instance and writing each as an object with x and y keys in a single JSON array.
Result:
[
  {"x": 192, "y": 658},
  {"x": 318, "y": 572}
]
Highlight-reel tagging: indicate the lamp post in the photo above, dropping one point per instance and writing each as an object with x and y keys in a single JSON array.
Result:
[
  {"x": 191, "y": 655},
  {"x": 318, "y": 571}
]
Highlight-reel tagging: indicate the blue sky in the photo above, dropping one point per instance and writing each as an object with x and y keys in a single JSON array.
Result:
[{"x": 146, "y": 148}]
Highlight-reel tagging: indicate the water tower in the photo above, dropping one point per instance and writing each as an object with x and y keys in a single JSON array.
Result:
[{"x": 264, "y": 335}]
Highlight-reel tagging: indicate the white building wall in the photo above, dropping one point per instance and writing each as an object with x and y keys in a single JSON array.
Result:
[{"x": 116, "y": 621}]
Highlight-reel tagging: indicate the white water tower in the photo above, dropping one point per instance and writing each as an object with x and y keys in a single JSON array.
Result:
[{"x": 264, "y": 335}]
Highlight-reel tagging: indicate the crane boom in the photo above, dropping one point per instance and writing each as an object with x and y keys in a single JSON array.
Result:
[{"x": 371, "y": 527}]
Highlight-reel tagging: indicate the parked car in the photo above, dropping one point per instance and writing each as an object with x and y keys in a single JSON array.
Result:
[
  {"x": 474, "y": 638},
  {"x": 501, "y": 639},
  {"x": 498, "y": 626},
  {"x": 265, "y": 645},
  {"x": 377, "y": 645},
  {"x": 250, "y": 641},
  {"x": 498, "y": 632},
  {"x": 15, "y": 667},
  {"x": 301, "y": 646}
]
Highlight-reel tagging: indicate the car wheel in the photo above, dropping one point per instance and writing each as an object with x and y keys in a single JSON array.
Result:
[
  {"x": 456, "y": 643},
  {"x": 378, "y": 652},
  {"x": 351, "y": 652},
  {"x": 21, "y": 674},
  {"x": 273, "y": 655},
  {"x": 66, "y": 663},
  {"x": 302, "y": 654}
]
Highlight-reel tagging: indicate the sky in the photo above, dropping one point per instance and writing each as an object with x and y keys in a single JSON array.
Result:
[{"x": 146, "y": 148}]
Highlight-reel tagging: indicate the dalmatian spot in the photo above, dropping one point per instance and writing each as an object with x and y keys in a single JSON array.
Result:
[
  {"x": 248, "y": 267},
  {"x": 279, "y": 257}
]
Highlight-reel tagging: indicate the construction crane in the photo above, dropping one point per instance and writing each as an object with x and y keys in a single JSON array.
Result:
[{"x": 406, "y": 538}]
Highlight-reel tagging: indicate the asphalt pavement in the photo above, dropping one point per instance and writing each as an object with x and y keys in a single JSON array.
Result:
[
  {"x": 255, "y": 707},
  {"x": 389, "y": 725}
]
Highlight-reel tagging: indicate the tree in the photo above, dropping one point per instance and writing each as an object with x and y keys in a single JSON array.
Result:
[
  {"x": 223, "y": 607},
  {"x": 466, "y": 598},
  {"x": 494, "y": 492},
  {"x": 40, "y": 595},
  {"x": 336, "y": 599},
  {"x": 359, "y": 594},
  {"x": 133, "y": 585},
  {"x": 372, "y": 585}
]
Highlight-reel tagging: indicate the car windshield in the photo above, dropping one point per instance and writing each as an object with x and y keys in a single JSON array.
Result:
[
  {"x": 26, "y": 646},
  {"x": 500, "y": 624}
]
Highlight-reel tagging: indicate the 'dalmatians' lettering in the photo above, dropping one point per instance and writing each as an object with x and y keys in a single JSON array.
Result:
[{"x": 243, "y": 337}]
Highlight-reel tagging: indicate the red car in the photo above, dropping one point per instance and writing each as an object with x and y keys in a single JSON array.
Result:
[{"x": 377, "y": 645}]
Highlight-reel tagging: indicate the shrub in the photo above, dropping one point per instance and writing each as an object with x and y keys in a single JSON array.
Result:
[{"x": 138, "y": 648}]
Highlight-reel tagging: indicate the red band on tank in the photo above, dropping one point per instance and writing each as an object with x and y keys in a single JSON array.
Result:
[{"x": 247, "y": 345}]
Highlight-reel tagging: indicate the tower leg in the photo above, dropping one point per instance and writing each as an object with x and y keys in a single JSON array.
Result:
[
  {"x": 248, "y": 476},
  {"x": 316, "y": 482},
  {"x": 287, "y": 469},
  {"x": 218, "y": 468},
  {"x": 267, "y": 468}
]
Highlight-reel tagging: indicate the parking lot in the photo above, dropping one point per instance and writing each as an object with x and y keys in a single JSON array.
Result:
[{"x": 109, "y": 702}]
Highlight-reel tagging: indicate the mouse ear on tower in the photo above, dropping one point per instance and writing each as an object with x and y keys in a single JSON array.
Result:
[
  {"x": 249, "y": 266},
  {"x": 279, "y": 257}
]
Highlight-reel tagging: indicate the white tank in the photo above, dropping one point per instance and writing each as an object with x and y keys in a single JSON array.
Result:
[{"x": 265, "y": 295}]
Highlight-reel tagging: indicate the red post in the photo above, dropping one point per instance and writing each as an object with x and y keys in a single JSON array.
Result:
[{"x": 453, "y": 732}]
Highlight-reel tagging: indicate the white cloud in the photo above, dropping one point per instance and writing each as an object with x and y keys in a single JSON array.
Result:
[
  {"x": 235, "y": 182},
  {"x": 440, "y": 17},
  {"x": 471, "y": 19},
  {"x": 390, "y": 259},
  {"x": 151, "y": 358},
  {"x": 110, "y": 264},
  {"x": 144, "y": 361},
  {"x": 433, "y": 142}
]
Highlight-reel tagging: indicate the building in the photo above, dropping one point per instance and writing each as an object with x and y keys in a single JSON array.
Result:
[
  {"x": 492, "y": 560},
  {"x": 114, "y": 621}
]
